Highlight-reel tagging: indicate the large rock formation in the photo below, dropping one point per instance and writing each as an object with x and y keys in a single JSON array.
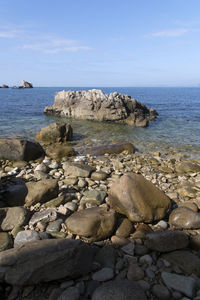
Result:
[{"x": 95, "y": 105}]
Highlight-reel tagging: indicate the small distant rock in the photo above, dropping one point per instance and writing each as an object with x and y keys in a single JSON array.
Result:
[
  {"x": 26, "y": 84},
  {"x": 5, "y": 86}
]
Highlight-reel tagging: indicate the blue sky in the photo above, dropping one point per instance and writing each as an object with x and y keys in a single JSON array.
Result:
[{"x": 100, "y": 43}]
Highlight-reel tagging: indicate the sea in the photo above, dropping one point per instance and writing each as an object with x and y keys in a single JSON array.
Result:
[{"x": 177, "y": 128}]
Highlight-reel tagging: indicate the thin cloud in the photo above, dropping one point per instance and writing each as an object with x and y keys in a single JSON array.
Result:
[
  {"x": 30, "y": 40},
  {"x": 169, "y": 33}
]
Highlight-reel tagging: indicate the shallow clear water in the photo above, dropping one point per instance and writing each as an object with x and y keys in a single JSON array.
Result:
[{"x": 177, "y": 127}]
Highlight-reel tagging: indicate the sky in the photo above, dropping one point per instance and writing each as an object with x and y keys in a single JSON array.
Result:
[{"x": 100, "y": 43}]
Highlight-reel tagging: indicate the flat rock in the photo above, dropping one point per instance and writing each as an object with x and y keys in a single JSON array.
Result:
[
  {"x": 166, "y": 241},
  {"x": 187, "y": 261},
  {"x": 78, "y": 170},
  {"x": 187, "y": 167},
  {"x": 94, "y": 224},
  {"x": 45, "y": 216},
  {"x": 58, "y": 151},
  {"x": 111, "y": 149},
  {"x": 184, "y": 218},
  {"x": 180, "y": 283},
  {"x": 55, "y": 133},
  {"x": 119, "y": 290},
  {"x": 14, "y": 149},
  {"x": 99, "y": 175},
  {"x": 138, "y": 199},
  {"x": 44, "y": 261},
  {"x": 41, "y": 191},
  {"x": 15, "y": 216},
  {"x": 95, "y": 105},
  {"x": 93, "y": 196}
]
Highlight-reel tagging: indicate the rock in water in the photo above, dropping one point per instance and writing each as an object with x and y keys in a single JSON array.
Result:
[
  {"x": 138, "y": 199},
  {"x": 95, "y": 105},
  {"x": 45, "y": 260},
  {"x": 13, "y": 149},
  {"x": 55, "y": 133},
  {"x": 115, "y": 148},
  {"x": 26, "y": 84},
  {"x": 93, "y": 224}
]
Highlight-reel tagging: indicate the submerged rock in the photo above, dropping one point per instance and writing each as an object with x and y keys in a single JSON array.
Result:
[
  {"x": 55, "y": 133},
  {"x": 95, "y": 105},
  {"x": 111, "y": 149},
  {"x": 138, "y": 199}
]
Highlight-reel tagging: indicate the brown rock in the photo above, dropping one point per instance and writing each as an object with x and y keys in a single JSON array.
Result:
[
  {"x": 138, "y": 199},
  {"x": 13, "y": 149},
  {"x": 125, "y": 228},
  {"x": 93, "y": 224},
  {"x": 166, "y": 241},
  {"x": 41, "y": 191},
  {"x": 55, "y": 133},
  {"x": 184, "y": 218},
  {"x": 58, "y": 151},
  {"x": 187, "y": 167},
  {"x": 135, "y": 272}
]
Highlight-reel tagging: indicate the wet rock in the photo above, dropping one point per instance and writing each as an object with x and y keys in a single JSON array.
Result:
[
  {"x": 95, "y": 105},
  {"x": 50, "y": 260},
  {"x": 58, "y": 151},
  {"x": 138, "y": 199},
  {"x": 119, "y": 290},
  {"x": 187, "y": 261},
  {"x": 104, "y": 274},
  {"x": 5, "y": 241},
  {"x": 13, "y": 149},
  {"x": 77, "y": 170},
  {"x": 180, "y": 283},
  {"x": 41, "y": 191},
  {"x": 55, "y": 133},
  {"x": 166, "y": 241},
  {"x": 15, "y": 216},
  {"x": 112, "y": 149},
  {"x": 94, "y": 224},
  {"x": 26, "y": 236},
  {"x": 184, "y": 218},
  {"x": 45, "y": 216}
]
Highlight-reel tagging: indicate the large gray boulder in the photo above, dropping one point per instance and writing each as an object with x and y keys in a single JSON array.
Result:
[
  {"x": 45, "y": 260},
  {"x": 14, "y": 149},
  {"x": 95, "y": 105},
  {"x": 137, "y": 198}
]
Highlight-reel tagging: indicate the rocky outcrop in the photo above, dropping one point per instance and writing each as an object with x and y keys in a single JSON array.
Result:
[
  {"x": 26, "y": 85},
  {"x": 95, "y": 105},
  {"x": 5, "y": 86},
  {"x": 14, "y": 149}
]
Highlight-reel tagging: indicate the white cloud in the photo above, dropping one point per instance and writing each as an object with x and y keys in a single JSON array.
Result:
[
  {"x": 168, "y": 33},
  {"x": 30, "y": 40}
]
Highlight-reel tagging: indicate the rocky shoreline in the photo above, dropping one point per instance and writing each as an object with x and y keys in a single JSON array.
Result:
[{"x": 115, "y": 226}]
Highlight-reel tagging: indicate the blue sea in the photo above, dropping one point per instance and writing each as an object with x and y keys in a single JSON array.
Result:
[{"x": 177, "y": 127}]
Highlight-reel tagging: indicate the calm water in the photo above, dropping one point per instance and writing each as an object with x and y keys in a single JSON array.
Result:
[{"x": 177, "y": 127}]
